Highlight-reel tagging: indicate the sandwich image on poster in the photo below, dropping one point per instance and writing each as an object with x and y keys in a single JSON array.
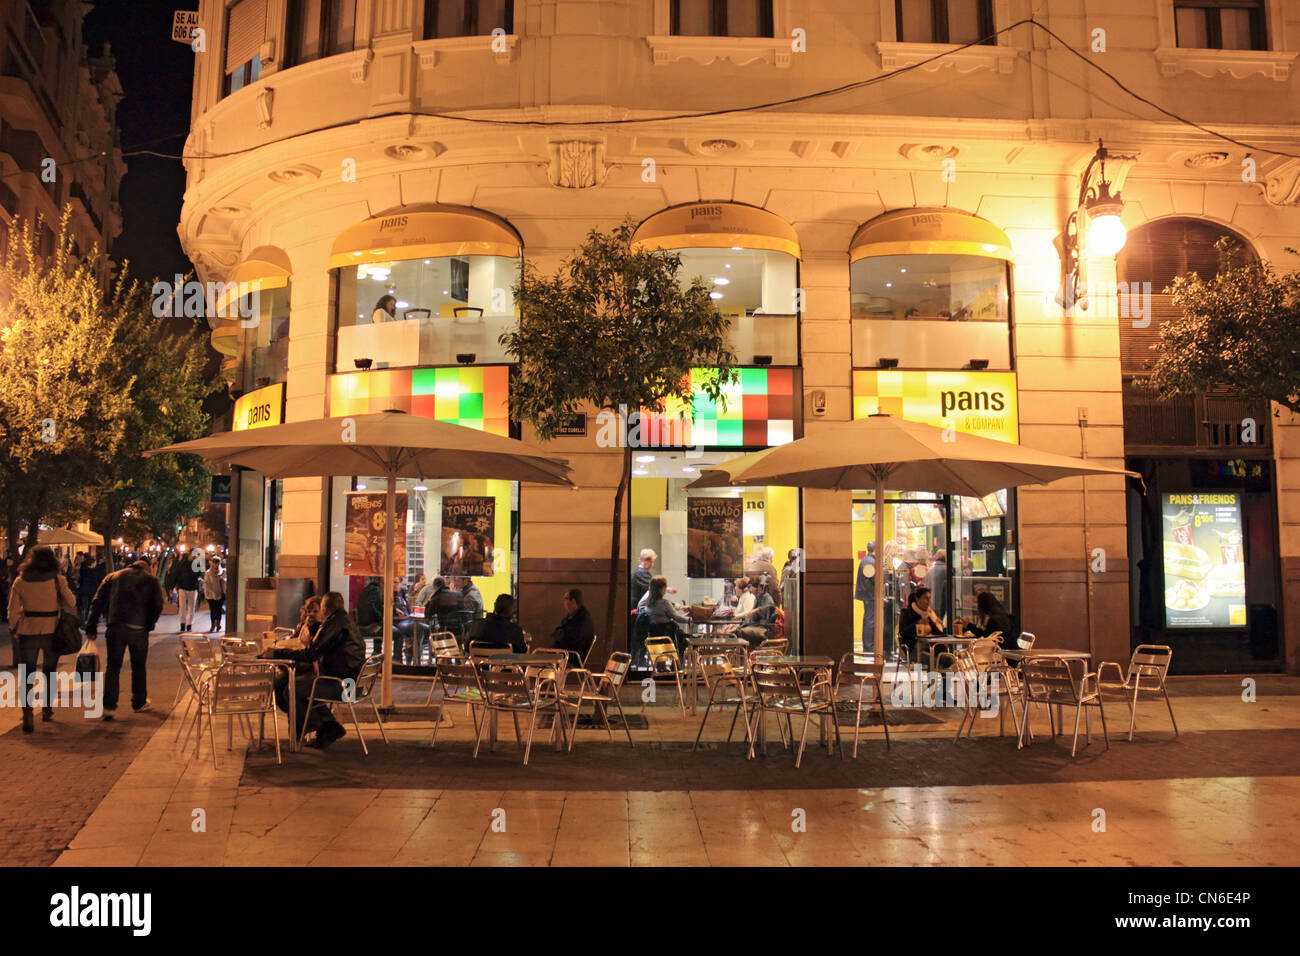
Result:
[
  {"x": 714, "y": 543},
  {"x": 1204, "y": 569},
  {"x": 468, "y": 535},
  {"x": 366, "y": 526}
]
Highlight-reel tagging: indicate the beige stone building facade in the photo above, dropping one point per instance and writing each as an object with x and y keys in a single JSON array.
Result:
[{"x": 341, "y": 151}]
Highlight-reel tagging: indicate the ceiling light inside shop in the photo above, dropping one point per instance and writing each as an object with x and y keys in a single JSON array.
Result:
[
  {"x": 639, "y": 471},
  {"x": 421, "y": 487},
  {"x": 642, "y": 459},
  {"x": 721, "y": 280},
  {"x": 687, "y": 469},
  {"x": 403, "y": 305},
  {"x": 715, "y": 295},
  {"x": 361, "y": 486},
  {"x": 726, "y": 265}
]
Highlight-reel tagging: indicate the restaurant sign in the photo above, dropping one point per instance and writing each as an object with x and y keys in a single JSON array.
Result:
[
  {"x": 259, "y": 408},
  {"x": 366, "y": 524},
  {"x": 1204, "y": 564},
  {"x": 973, "y": 403}
]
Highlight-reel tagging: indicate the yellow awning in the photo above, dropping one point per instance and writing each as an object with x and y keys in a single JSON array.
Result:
[
  {"x": 717, "y": 225},
  {"x": 928, "y": 230},
  {"x": 424, "y": 231},
  {"x": 266, "y": 267},
  {"x": 225, "y": 337}
]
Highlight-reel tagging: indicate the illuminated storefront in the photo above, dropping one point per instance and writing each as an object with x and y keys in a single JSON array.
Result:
[{"x": 255, "y": 502}]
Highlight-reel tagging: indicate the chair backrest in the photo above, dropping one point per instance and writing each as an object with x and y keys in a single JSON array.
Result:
[
  {"x": 197, "y": 650},
  {"x": 616, "y": 669},
  {"x": 1049, "y": 679},
  {"x": 595, "y": 642},
  {"x": 859, "y": 668},
  {"x": 984, "y": 652},
  {"x": 369, "y": 673},
  {"x": 457, "y": 672},
  {"x": 243, "y": 688},
  {"x": 482, "y": 649},
  {"x": 236, "y": 647},
  {"x": 661, "y": 650},
  {"x": 779, "y": 644},
  {"x": 1151, "y": 660},
  {"x": 443, "y": 644},
  {"x": 776, "y": 682},
  {"x": 505, "y": 684},
  {"x": 1027, "y": 640}
]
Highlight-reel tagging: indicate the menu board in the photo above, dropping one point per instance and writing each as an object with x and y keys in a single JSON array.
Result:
[
  {"x": 930, "y": 514},
  {"x": 996, "y": 503},
  {"x": 468, "y": 535},
  {"x": 1204, "y": 570},
  {"x": 366, "y": 525},
  {"x": 714, "y": 548},
  {"x": 972, "y": 509}
]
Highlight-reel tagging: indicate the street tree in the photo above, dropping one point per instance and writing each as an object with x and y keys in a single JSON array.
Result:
[
  {"x": 614, "y": 329},
  {"x": 1238, "y": 329}
]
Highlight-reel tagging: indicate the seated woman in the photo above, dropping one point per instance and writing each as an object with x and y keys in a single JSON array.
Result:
[
  {"x": 917, "y": 612},
  {"x": 308, "y": 621},
  {"x": 756, "y": 623},
  {"x": 663, "y": 616},
  {"x": 991, "y": 617}
]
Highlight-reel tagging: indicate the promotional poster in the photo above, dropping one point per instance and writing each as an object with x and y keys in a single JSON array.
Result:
[
  {"x": 714, "y": 548},
  {"x": 468, "y": 535},
  {"x": 1205, "y": 573},
  {"x": 367, "y": 526}
]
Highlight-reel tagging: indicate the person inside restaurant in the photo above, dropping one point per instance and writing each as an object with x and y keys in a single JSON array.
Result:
[
  {"x": 662, "y": 616},
  {"x": 442, "y": 612},
  {"x": 471, "y": 598},
  {"x": 338, "y": 651},
  {"x": 577, "y": 631},
  {"x": 756, "y": 623},
  {"x": 497, "y": 628},
  {"x": 917, "y": 620},
  {"x": 385, "y": 310},
  {"x": 991, "y": 618},
  {"x": 370, "y": 608}
]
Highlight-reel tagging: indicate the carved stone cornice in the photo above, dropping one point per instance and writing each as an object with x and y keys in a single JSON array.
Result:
[{"x": 576, "y": 164}]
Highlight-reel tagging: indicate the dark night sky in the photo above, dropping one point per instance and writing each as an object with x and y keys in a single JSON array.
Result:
[{"x": 157, "y": 74}]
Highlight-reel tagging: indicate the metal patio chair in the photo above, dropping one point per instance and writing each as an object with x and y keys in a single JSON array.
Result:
[
  {"x": 1050, "y": 680},
  {"x": 238, "y": 689},
  {"x": 661, "y": 651},
  {"x": 459, "y": 677},
  {"x": 856, "y": 673},
  {"x": 362, "y": 689},
  {"x": 724, "y": 666},
  {"x": 507, "y": 691},
  {"x": 1150, "y": 662},
  {"x": 991, "y": 664},
  {"x": 600, "y": 690},
  {"x": 779, "y": 692}
]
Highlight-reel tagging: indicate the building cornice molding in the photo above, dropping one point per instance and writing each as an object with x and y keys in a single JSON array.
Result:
[
  {"x": 503, "y": 47},
  {"x": 896, "y": 56},
  {"x": 741, "y": 51},
  {"x": 1239, "y": 64}
]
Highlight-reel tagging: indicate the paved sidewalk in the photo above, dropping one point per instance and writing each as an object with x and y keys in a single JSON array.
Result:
[
  {"x": 1224, "y": 793},
  {"x": 57, "y": 776}
]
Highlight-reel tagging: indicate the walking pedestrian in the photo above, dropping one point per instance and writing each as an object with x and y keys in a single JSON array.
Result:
[
  {"x": 183, "y": 576},
  {"x": 214, "y": 589},
  {"x": 92, "y": 576},
  {"x": 131, "y": 601},
  {"x": 35, "y": 601}
]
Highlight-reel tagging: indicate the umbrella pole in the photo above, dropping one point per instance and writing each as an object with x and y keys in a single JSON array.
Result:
[
  {"x": 390, "y": 541},
  {"x": 879, "y": 590}
]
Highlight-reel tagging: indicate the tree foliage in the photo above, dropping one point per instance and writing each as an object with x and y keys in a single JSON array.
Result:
[
  {"x": 616, "y": 329},
  {"x": 1239, "y": 329},
  {"x": 88, "y": 380}
]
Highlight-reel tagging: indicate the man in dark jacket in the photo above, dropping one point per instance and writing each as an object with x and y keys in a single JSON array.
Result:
[
  {"x": 443, "y": 611},
  {"x": 577, "y": 631},
  {"x": 497, "y": 628},
  {"x": 370, "y": 608},
  {"x": 131, "y": 601},
  {"x": 339, "y": 651}
]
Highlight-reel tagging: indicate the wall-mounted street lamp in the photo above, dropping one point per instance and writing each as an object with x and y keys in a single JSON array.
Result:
[{"x": 1106, "y": 232}]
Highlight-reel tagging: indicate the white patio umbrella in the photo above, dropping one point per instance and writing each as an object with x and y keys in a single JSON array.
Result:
[
  {"x": 65, "y": 536},
  {"x": 881, "y": 450},
  {"x": 393, "y": 444}
]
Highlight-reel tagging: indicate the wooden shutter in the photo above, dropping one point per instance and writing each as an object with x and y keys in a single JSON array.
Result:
[{"x": 245, "y": 32}]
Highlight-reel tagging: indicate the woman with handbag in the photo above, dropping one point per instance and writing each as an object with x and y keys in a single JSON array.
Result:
[{"x": 36, "y": 599}]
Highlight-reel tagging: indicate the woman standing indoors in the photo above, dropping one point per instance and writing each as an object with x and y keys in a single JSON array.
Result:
[{"x": 35, "y": 601}]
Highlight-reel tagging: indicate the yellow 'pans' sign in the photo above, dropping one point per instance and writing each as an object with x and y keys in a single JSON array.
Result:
[{"x": 974, "y": 403}]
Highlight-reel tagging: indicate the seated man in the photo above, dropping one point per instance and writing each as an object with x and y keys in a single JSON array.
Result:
[
  {"x": 498, "y": 629},
  {"x": 443, "y": 608},
  {"x": 338, "y": 651},
  {"x": 577, "y": 631},
  {"x": 471, "y": 598}
]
